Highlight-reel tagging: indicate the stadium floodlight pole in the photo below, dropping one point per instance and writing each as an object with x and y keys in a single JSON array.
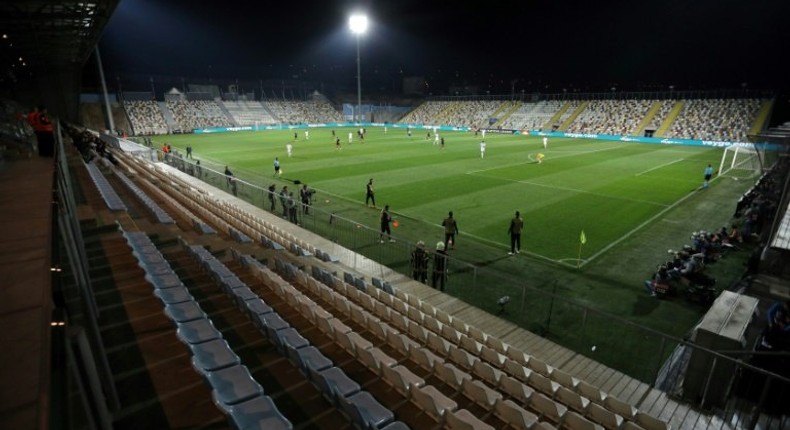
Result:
[{"x": 358, "y": 24}]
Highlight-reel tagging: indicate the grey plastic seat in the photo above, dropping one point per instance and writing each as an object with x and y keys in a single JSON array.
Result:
[
  {"x": 257, "y": 413},
  {"x": 233, "y": 384},
  {"x": 197, "y": 331},
  {"x": 365, "y": 411},
  {"x": 163, "y": 282},
  {"x": 334, "y": 383},
  {"x": 173, "y": 295},
  {"x": 289, "y": 338},
  {"x": 184, "y": 311},
  {"x": 213, "y": 355},
  {"x": 270, "y": 323},
  {"x": 257, "y": 307},
  {"x": 309, "y": 359}
]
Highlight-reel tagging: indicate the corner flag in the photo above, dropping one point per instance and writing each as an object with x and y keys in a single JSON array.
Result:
[{"x": 583, "y": 238}]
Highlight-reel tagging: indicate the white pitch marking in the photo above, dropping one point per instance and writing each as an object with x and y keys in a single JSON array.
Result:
[{"x": 659, "y": 166}]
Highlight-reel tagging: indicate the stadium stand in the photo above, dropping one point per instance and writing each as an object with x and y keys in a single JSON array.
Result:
[{"x": 145, "y": 117}]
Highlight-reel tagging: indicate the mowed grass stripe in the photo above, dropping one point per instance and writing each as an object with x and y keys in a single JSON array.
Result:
[{"x": 581, "y": 184}]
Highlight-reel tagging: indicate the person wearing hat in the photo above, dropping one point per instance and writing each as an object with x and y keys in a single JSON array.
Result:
[
  {"x": 419, "y": 262},
  {"x": 439, "y": 266}
]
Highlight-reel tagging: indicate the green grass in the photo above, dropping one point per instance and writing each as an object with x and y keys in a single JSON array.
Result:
[
  {"x": 634, "y": 201},
  {"x": 605, "y": 188}
]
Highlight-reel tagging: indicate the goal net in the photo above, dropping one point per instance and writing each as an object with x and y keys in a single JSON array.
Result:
[{"x": 742, "y": 162}]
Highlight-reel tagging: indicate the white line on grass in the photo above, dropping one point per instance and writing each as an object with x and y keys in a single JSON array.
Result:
[
  {"x": 637, "y": 228},
  {"x": 576, "y": 190},
  {"x": 659, "y": 166},
  {"x": 553, "y": 158}
]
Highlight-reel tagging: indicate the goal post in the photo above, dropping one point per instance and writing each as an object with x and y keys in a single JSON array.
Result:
[{"x": 742, "y": 161}]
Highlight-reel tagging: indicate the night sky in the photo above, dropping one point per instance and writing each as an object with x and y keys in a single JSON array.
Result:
[{"x": 543, "y": 45}]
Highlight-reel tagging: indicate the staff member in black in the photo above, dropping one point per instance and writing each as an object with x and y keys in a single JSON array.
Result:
[
  {"x": 516, "y": 225},
  {"x": 386, "y": 219},
  {"x": 369, "y": 194}
]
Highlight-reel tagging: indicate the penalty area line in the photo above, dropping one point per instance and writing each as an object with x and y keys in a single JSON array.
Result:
[{"x": 659, "y": 166}]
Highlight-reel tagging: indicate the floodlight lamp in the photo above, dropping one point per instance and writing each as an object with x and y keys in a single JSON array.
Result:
[{"x": 358, "y": 23}]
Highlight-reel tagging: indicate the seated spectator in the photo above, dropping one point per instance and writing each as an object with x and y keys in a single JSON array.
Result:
[
  {"x": 658, "y": 285},
  {"x": 735, "y": 235}
]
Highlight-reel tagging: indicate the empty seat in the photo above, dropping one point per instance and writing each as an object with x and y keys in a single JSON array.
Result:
[
  {"x": 400, "y": 342},
  {"x": 487, "y": 373},
  {"x": 464, "y": 420},
  {"x": 213, "y": 355},
  {"x": 257, "y": 307},
  {"x": 432, "y": 324},
  {"x": 197, "y": 331},
  {"x": 241, "y": 294},
  {"x": 310, "y": 359},
  {"x": 185, "y": 311},
  {"x": 257, "y": 413},
  {"x": 619, "y": 407},
  {"x": 462, "y": 358},
  {"x": 479, "y": 393},
  {"x": 515, "y": 389},
  {"x": 497, "y": 344},
  {"x": 459, "y": 325},
  {"x": 451, "y": 375},
  {"x": 418, "y": 332},
  {"x": 432, "y": 402},
  {"x": 334, "y": 383},
  {"x": 438, "y": 344},
  {"x": 289, "y": 338},
  {"x": 170, "y": 296},
  {"x": 564, "y": 378},
  {"x": 516, "y": 370},
  {"x": 401, "y": 378},
  {"x": 424, "y": 358},
  {"x": 593, "y": 393},
  {"x": 605, "y": 417},
  {"x": 492, "y": 356},
  {"x": 543, "y": 384},
  {"x": 374, "y": 359},
  {"x": 514, "y": 415},
  {"x": 471, "y": 345},
  {"x": 397, "y": 425},
  {"x": 365, "y": 411},
  {"x": 517, "y": 355},
  {"x": 546, "y": 408},
  {"x": 270, "y": 323},
  {"x": 233, "y": 384},
  {"x": 539, "y": 366},
  {"x": 572, "y": 400},
  {"x": 574, "y": 421},
  {"x": 451, "y": 334}
]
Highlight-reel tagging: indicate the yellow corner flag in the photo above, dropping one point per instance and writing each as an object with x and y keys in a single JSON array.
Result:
[{"x": 583, "y": 238}]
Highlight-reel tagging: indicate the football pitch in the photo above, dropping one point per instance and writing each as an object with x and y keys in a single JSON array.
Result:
[
  {"x": 633, "y": 202},
  {"x": 606, "y": 189}
]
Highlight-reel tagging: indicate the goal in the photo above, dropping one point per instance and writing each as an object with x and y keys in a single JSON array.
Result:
[{"x": 742, "y": 161}]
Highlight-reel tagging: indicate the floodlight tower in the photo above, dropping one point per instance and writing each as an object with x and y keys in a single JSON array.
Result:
[{"x": 358, "y": 24}]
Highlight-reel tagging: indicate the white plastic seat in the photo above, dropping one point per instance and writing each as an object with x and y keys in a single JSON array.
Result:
[
  {"x": 487, "y": 373},
  {"x": 603, "y": 416},
  {"x": 451, "y": 375},
  {"x": 432, "y": 401},
  {"x": 479, "y": 393},
  {"x": 515, "y": 389},
  {"x": 514, "y": 415},
  {"x": 464, "y": 420},
  {"x": 516, "y": 370},
  {"x": 401, "y": 378},
  {"x": 463, "y": 359}
]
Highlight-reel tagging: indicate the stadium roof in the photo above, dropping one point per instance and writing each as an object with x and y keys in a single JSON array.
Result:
[{"x": 50, "y": 34}]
